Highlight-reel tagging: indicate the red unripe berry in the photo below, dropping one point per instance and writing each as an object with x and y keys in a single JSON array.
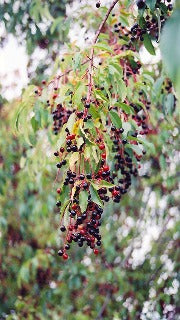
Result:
[
  {"x": 101, "y": 146},
  {"x": 115, "y": 193},
  {"x": 106, "y": 168},
  {"x": 65, "y": 256},
  {"x": 58, "y": 190},
  {"x": 70, "y": 137},
  {"x": 82, "y": 232},
  {"x": 62, "y": 149},
  {"x": 103, "y": 156},
  {"x": 54, "y": 96},
  {"x": 43, "y": 81},
  {"x": 92, "y": 239},
  {"x": 96, "y": 251},
  {"x": 74, "y": 206}
]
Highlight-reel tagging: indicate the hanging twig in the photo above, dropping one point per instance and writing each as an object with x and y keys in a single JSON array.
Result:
[{"x": 90, "y": 72}]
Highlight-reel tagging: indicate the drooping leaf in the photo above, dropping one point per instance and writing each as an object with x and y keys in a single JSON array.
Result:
[
  {"x": 148, "y": 44},
  {"x": 101, "y": 184},
  {"x": 83, "y": 200},
  {"x": 126, "y": 108},
  {"x": 135, "y": 148},
  {"x": 103, "y": 47},
  {"x": 78, "y": 92},
  {"x": 170, "y": 49},
  {"x": 151, "y": 4},
  {"x": 73, "y": 159},
  {"x": 71, "y": 122},
  {"x": 63, "y": 207},
  {"x": 116, "y": 120},
  {"x": 95, "y": 197},
  {"x": 168, "y": 104}
]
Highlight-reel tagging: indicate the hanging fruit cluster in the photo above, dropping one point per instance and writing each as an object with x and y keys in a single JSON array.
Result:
[{"x": 100, "y": 115}]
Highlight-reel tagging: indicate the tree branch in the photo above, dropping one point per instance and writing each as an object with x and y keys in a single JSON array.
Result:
[
  {"x": 90, "y": 72},
  {"x": 106, "y": 301}
]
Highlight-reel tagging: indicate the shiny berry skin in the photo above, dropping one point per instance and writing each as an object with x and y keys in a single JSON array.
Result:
[
  {"x": 96, "y": 251},
  {"x": 98, "y": 5},
  {"x": 65, "y": 256},
  {"x": 102, "y": 146},
  {"x": 58, "y": 203},
  {"x": 103, "y": 156},
  {"x": 106, "y": 168},
  {"x": 141, "y": 4},
  {"x": 63, "y": 228},
  {"x": 60, "y": 252},
  {"x": 87, "y": 105},
  {"x": 67, "y": 246},
  {"x": 74, "y": 206},
  {"x": 71, "y": 137},
  {"x": 56, "y": 154},
  {"x": 61, "y": 149},
  {"x": 58, "y": 190},
  {"x": 124, "y": 141}
]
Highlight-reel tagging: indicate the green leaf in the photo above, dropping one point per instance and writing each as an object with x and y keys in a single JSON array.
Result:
[
  {"x": 170, "y": 48},
  {"x": 34, "y": 124},
  {"x": 122, "y": 89},
  {"x": 135, "y": 148},
  {"x": 115, "y": 68},
  {"x": 66, "y": 216},
  {"x": 148, "y": 145},
  {"x": 88, "y": 141},
  {"x": 80, "y": 141},
  {"x": 95, "y": 153},
  {"x": 151, "y": 4},
  {"x": 71, "y": 121},
  {"x": 63, "y": 208},
  {"x": 103, "y": 47},
  {"x": 94, "y": 112},
  {"x": 126, "y": 108},
  {"x": 78, "y": 92},
  {"x": 168, "y": 105},
  {"x": 127, "y": 127},
  {"x": 83, "y": 200},
  {"x": 148, "y": 44},
  {"x": 77, "y": 61},
  {"x": 102, "y": 184},
  {"x": 115, "y": 119},
  {"x": 95, "y": 197},
  {"x": 100, "y": 95},
  {"x": 55, "y": 24},
  {"x": 156, "y": 90}
]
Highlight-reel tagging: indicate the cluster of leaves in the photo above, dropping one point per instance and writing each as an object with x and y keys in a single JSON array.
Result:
[
  {"x": 100, "y": 122},
  {"x": 117, "y": 284}
]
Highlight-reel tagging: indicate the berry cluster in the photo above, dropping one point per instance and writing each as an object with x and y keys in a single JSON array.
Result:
[
  {"x": 83, "y": 227},
  {"x": 111, "y": 183},
  {"x": 60, "y": 117},
  {"x": 101, "y": 138},
  {"x": 149, "y": 24}
]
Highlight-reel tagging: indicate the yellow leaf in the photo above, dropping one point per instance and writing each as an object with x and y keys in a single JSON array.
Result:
[{"x": 73, "y": 159}]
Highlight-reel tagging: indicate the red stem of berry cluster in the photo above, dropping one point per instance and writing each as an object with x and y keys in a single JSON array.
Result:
[{"x": 90, "y": 71}]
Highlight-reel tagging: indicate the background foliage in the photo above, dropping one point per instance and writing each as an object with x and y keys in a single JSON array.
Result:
[{"x": 136, "y": 276}]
